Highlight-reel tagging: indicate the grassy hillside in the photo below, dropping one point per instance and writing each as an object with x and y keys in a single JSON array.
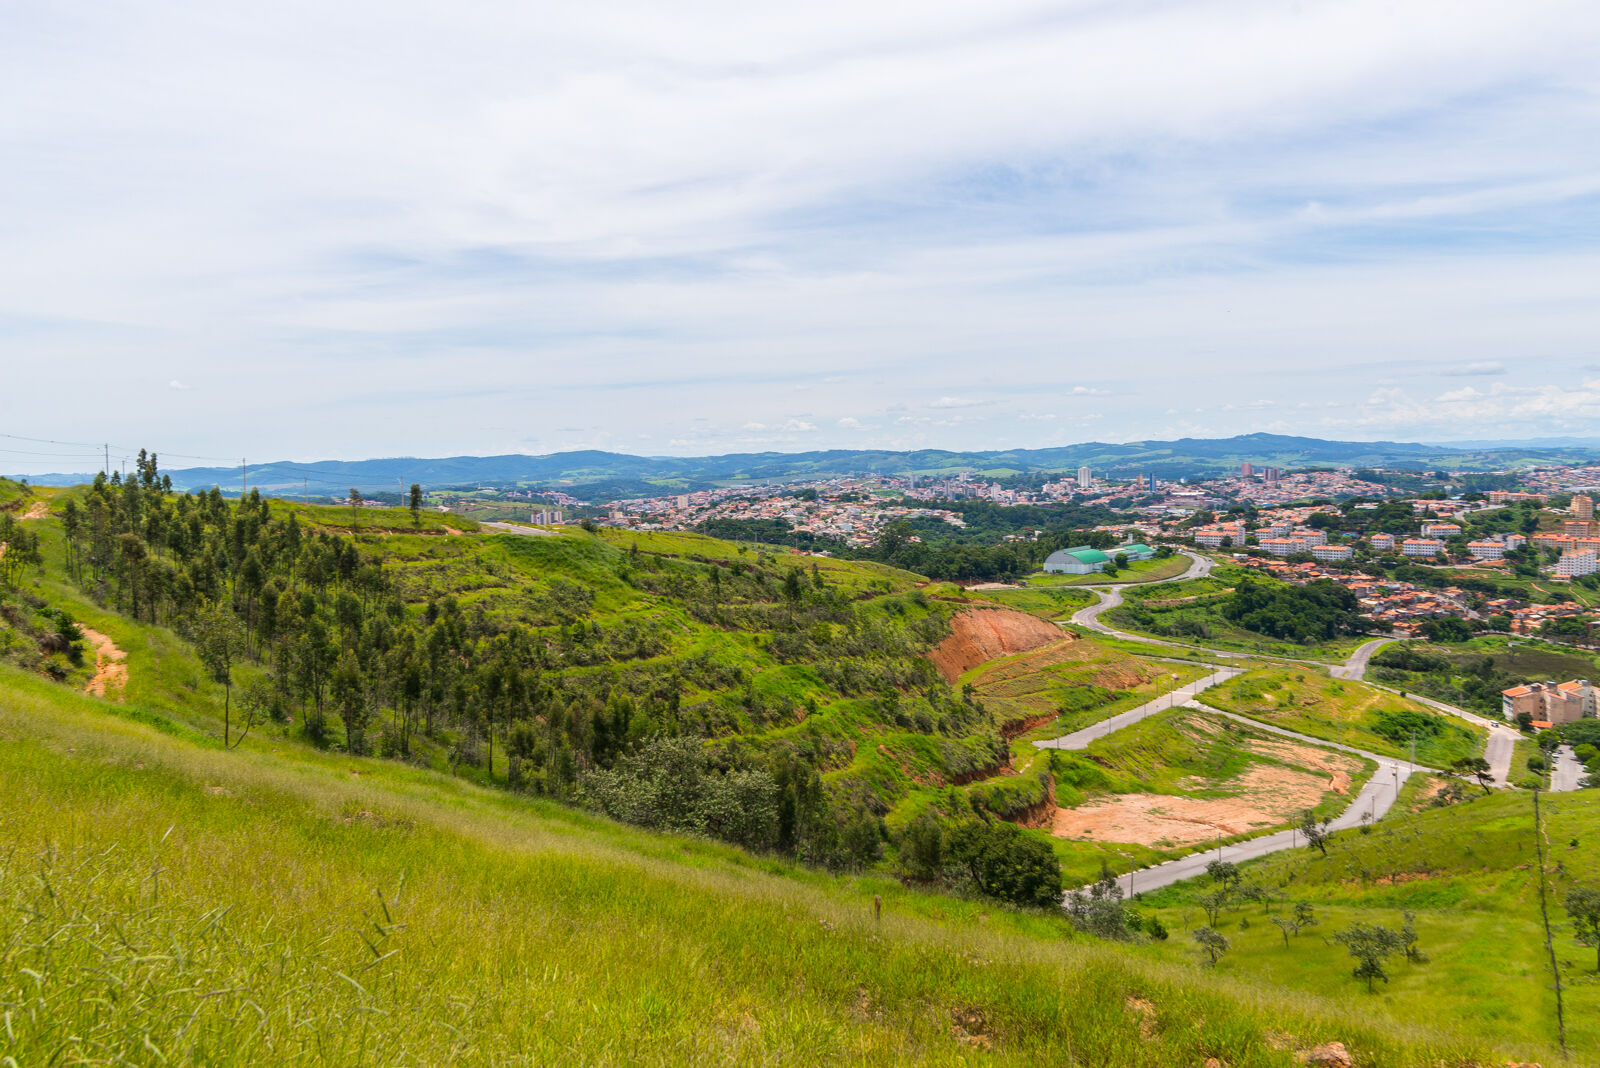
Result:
[
  {"x": 1308, "y": 702},
  {"x": 1469, "y": 874},
  {"x": 1053, "y": 603},
  {"x": 167, "y": 902},
  {"x": 550, "y": 662}
]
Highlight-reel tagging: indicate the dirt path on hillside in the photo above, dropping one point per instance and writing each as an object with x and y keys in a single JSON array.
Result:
[
  {"x": 110, "y": 671},
  {"x": 39, "y": 510},
  {"x": 978, "y": 635}
]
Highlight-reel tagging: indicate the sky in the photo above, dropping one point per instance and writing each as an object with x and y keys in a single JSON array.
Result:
[{"x": 307, "y": 230}]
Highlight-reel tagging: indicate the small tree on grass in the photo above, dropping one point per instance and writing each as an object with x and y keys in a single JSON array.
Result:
[
  {"x": 415, "y": 503},
  {"x": 1224, "y": 872},
  {"x": 1478, "y": 768},
  {"x": 350, "y": 699},
  {"x": 355, "y": 505},
  {"x": 1212, "y": 944},
  {"x": 1316, "y": 832},
  {"x": 1214, "y": 903},
  {"x": 1100, "y": 912},
  {"x": 1583, "y": 906},
  {"x": 1304, "y": 915},
  {"x": 219, "y": 639},
  {"x": 1408, "y": 937},
  {"x": 1288, "y": 927},
  {"x": 1371, "y": 945}
]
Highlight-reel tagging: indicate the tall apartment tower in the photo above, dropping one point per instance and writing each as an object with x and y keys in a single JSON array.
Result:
[
  {"x": 1084, "y": 478},
  {"x": 1246, "y": 469},
  {"x": 1583, "y": 507},
  {"x": 1270, "y": 474}
]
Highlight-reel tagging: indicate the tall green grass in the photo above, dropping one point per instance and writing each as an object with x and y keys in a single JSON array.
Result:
[{"x": 167, "y": 903}]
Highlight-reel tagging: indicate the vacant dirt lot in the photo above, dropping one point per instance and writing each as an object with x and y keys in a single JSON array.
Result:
[{"x": 1265, "y": 795}]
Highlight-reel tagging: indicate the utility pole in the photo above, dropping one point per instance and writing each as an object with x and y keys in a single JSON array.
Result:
[
  {"x": 1544, "y": 913},
  {"x": 108, "y": 459}
]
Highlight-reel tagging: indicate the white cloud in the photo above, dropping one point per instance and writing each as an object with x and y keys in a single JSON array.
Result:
[
  {"x": 175, "y": 384},
  {"x": 849, "y": 423},
  {"x": 664, "y": 216},
  {"x": 1477, "y": 367}
]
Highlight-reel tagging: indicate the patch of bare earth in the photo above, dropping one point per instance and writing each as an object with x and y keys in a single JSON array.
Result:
[
  {"x": 38, "y": 510},
  {"x": 1266, "y": 796},
  {"x": 978, "y": 635},
  {"x": 1339, "y": 769},
  {"x": 110, "y": 671}
]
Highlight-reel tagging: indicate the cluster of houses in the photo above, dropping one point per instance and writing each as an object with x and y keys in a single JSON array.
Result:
[{"x": 1404, "y": 608}]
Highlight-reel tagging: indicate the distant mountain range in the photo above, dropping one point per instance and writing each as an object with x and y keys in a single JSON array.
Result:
[{"x": 601, "y": 475}]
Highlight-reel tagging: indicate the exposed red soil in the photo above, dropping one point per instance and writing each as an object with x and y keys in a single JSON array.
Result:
[
  {"x": 110, "y": 673},
  {"x": 1266, "y": 796},
  {"x": 978, "y": 635},
  {"x": 38, "y": 511}
]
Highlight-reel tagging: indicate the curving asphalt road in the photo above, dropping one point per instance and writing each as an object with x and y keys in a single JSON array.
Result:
[
  {"x": 1355, "y": 668},
  {"x": 1371, "y": 803},
  {"x": 1182, "y": 695}
]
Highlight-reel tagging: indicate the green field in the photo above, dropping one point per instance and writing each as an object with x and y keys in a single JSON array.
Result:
[
  {"x": 1308, "y": 702},
  {"x": 1522, "y": 775},
  {"x": 168, "y": 902},
  {"x": 1469, "y": 874},
  {"x": 1136, "y": 571},
  {"x": 1054, "y": 603}
]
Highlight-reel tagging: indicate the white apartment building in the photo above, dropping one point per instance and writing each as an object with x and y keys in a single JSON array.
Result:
[
  {"x": 1440, "y": 530},
  {"x": 1084, "y": 478},
  {"x": 1575, "y": 562},
  {"x": 1332, "y": 552},
  {"x": 1421, "y": 547},
  {"x": 1284, "y": 546},
  {"x": 1486, "y": 550},
  {"x": 1382, "y": 543}
]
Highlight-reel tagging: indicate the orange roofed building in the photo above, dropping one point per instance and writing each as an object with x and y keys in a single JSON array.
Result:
[{"x": 1549, "y": 702}]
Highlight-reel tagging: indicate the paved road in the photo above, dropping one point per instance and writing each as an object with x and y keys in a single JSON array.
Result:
[
  {"x": 1089, "y": 616},
  {"x": 1182, "y": 695},
  {"x": 1356, "y": 667},
  {"x": 1375, "y": 799},
  {"x": 1566, "y": 772},
  {"x": 1502, "y": 738}
]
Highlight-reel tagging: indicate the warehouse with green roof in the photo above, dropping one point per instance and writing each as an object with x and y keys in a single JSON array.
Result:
[{"x": 1082, "y": 560}]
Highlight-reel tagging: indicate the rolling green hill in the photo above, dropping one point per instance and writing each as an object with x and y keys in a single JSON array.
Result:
[
  {"x": 164, "y": 901},
  {"x": 784, "y": 703},
  {"x": 357, "y": 785},
  {"x": 1469, "y": 874}
]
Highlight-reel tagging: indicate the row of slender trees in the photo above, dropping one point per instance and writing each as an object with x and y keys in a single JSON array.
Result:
[{"x": 327, "y": 638}]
